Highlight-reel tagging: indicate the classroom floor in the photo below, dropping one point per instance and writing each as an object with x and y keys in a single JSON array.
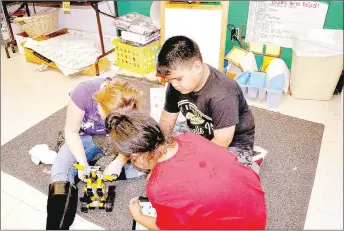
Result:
[{"x": 28, "y": 97}]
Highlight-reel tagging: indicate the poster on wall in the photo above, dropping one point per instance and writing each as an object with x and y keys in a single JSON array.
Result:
[{"x": 273, "y": 22}]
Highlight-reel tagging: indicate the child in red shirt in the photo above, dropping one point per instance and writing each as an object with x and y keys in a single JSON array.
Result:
[{"x": 194, "y": 183}]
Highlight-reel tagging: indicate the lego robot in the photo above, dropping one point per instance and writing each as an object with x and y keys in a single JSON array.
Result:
[{"x": 95, "y": 192}]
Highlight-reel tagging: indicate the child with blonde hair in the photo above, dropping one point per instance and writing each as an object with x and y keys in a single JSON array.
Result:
[{"x": 90, "y": 103}]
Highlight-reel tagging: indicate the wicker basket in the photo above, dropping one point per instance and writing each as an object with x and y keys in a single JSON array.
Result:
[{"x": 41, "y": 23}]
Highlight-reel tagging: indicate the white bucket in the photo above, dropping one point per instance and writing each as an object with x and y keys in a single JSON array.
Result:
[{"x": 317, "y": 64}]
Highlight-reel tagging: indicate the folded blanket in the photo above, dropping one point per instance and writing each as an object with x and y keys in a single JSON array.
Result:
[{"x": 69, "y": 52}]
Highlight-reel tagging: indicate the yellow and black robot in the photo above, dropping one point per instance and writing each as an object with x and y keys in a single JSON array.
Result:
[{"x": 95, "y": 192}]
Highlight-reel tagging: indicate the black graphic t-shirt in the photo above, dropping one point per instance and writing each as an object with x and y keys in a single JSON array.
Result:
[{"x": 219, "y": 104}]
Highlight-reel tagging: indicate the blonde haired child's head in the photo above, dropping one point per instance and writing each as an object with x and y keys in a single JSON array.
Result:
[{"x": 117, "y": 95}]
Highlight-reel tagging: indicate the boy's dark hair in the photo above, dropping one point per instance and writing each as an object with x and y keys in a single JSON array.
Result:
[{"x": 175, "y": 51}]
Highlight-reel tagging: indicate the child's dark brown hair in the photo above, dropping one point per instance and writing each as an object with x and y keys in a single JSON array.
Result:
[{"x": 135, "y": 133}]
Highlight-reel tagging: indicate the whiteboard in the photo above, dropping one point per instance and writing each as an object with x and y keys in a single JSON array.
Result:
[
  {"x": 274, "y": 22},
  {"x": 204, "y": 26}
]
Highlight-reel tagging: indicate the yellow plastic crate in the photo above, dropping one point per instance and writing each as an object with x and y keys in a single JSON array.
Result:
[{"x": 141, "y": 60}]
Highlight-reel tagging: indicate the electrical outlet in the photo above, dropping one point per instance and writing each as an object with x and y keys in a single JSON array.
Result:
[{"x": 237, "y": 32}]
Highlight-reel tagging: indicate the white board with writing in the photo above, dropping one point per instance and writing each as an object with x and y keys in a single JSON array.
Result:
[
  {"x": 274, "y": 22},
  {"x": 202, "y": 25}
]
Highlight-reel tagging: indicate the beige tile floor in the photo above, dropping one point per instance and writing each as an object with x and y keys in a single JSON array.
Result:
[{"x": 27, "y": 97}]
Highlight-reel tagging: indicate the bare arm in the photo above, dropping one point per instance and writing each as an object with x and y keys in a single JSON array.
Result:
[
  {"x": 135, "y": 210},
  {"x": 72, "y": 126},
  {"x": 115, "y": 167},
  {"x": 167, "y": 122},
  {"x": 147, "y": 221},
  {"x": 224, "y": 136}
]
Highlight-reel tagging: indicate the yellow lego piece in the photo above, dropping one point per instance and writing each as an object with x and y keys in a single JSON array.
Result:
[
  {"x": 93, "y": 174},
  {"x": 78, "y": 167},
  {"x": 109, "y": 178},
  {"x": 89, "y": 182},
  {"x": 99, "y": 182},
  {"x": 95, "y": 182}
]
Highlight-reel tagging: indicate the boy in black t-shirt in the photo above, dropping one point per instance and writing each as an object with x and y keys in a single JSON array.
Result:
[{"x": 212, "y": 103}]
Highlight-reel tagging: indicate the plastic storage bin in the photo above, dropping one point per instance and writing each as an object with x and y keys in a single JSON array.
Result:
[
  {"x": 141, "y": 60},
  {"x": 252, "y": 92},
  {"x": 262, "y": 94},
  {"x": 243, "y": 88},
  {"x": 273, "y": 98},
  {"x": 317, "y": 63},
  {"x": 256, "y": 83}
]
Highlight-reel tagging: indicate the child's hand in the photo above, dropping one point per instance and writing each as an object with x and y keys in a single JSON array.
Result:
[
  {"x": 115, "y": 167},
  {"x": 135, "y": 208},
  {"x": 112, "y": 169}
]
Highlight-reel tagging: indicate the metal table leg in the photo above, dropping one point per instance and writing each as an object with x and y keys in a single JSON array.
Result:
[
  {"x": 95, "y": 7},
  {"x": 12, "y": 41},
  {"x": 27, "y": 9},
  {"x": 100, "y": 57}
]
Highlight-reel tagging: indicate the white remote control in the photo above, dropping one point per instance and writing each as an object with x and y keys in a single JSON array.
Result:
[{"x": 148, "y": 210}]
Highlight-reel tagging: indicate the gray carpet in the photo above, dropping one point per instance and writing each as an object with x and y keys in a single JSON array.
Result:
[{"x": 287, "y": 173}]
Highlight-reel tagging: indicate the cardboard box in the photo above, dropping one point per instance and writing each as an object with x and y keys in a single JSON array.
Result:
[{"x": 34, "y": 57}]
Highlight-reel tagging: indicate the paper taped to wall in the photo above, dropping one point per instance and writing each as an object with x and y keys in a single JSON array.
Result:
[
  {"x": 273, "y": 50},
  {"x": 274, "y": 22},
  {"x": 256, "y": 48}
]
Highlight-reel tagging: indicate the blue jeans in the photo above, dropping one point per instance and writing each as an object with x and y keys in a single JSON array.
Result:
[{"x": 62, "y": 169}]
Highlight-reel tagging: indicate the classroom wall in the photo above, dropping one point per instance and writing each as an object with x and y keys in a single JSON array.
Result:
[
  {"x": 238, "y": 13},
  {"x": 84, "y": 18}
]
